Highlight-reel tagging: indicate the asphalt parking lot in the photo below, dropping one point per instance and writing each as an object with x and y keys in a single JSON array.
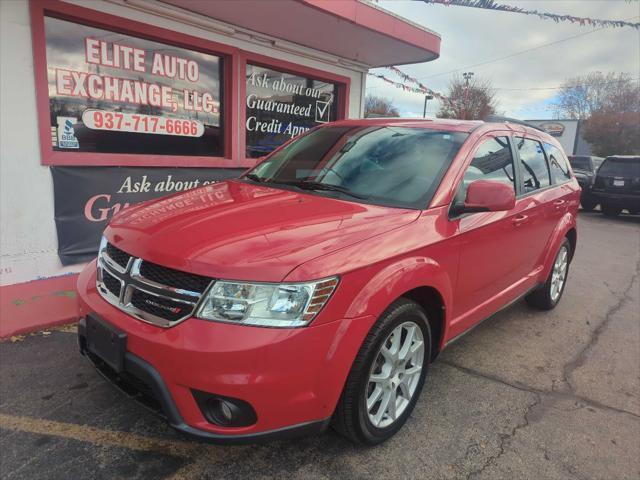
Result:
[{"x": 529, "y": 395}]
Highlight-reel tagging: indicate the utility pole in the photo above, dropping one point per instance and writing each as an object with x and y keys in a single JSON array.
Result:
[
  {"x": 426, "y": 97},
  {"x": 467, "y": 76}
]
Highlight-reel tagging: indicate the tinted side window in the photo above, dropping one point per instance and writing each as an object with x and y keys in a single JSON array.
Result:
[
  {"x": 557, "y": 164},
  {"x": 535, "y": 171},
  {"x": 492, "y": 161}
]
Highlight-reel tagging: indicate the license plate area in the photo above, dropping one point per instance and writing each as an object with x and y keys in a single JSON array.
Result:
[
  {"x": 618, "y": 182},
  {"x": 106, "y": 342}
]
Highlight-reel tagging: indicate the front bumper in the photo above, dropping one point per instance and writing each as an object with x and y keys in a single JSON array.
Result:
[{"x": 292, "y": 378}]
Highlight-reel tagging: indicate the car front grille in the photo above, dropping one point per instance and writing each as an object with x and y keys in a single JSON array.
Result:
[
  {"x": 118, "y": 256},
  {"x": 174, "y": 278},
  {"x": 112, "y": 283},
  {"x": 158, "y": 306},
  {"x": 149, "y": 292}
]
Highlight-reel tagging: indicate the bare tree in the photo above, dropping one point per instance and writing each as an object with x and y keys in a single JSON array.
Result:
[
  {"x": 583, "y": 95},
  {"x": 469, "y": 100},
  {"x": 379, "y": 107},
  {"x": 610, "y": 105}
]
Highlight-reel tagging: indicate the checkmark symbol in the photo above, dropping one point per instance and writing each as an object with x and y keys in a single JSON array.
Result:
[{"x": 322, "y": 111}]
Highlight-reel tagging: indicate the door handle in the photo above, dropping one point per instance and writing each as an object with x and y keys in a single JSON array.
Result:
[
  {"x": 519, "y": 220},
  {"x": 558, "y": 204}
]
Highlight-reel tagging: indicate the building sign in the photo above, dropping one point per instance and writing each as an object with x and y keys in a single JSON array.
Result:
[
  {"x": 114, "y": 93},
  {"x": 566, "y": 131},
  {"x": 282, "y": 105},
  {"x": 85, "y": 199},
  {"x": 554, "y": 129}
]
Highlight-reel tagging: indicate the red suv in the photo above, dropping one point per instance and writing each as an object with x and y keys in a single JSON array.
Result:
[{"x": 317, "y": 288}]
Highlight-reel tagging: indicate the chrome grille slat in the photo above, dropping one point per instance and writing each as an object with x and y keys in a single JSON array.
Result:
[{"x": 143, "y": 298}]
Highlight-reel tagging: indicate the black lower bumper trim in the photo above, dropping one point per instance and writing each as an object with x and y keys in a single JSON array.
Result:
[
  {"x": 144, "y": 372},
  {"x": 627, "y": 199}
]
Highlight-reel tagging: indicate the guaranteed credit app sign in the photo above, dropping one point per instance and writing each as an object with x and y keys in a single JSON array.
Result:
[
  {"x": 282, "y": 105},
  {"x": 114, "y": 93}
]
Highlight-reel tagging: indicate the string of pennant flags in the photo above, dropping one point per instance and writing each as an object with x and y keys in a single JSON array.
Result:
[
  {"x": 408, "y": 78},
  {"x": 420, "y": 88},
  {"x": 492, "y": 5}
]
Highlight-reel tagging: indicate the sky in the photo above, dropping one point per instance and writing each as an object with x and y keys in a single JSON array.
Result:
[{"x": 526, "y": 83}]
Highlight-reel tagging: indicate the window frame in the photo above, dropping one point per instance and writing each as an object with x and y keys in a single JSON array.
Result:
[{"x": 232, "y": 92}]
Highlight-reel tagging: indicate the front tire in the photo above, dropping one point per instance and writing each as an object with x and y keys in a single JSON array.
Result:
[
  {"x": 387, "y": 376},
  {"x": 548, "y": 295}
]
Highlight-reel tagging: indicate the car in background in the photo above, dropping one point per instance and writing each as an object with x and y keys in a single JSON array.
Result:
[
  {"x": 617, "y": 185},
  {"x": 585, "y": 168}
]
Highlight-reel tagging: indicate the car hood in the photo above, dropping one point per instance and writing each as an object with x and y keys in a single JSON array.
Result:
[{"x": 241, "y": 231}]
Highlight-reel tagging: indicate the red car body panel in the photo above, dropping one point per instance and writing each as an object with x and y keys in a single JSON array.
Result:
[
  {"x": 476, "y": 264},
  {"x": 236, "y": 231}
]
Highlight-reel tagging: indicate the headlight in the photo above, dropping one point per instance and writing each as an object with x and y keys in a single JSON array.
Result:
[{"x": 266, "y": 304}]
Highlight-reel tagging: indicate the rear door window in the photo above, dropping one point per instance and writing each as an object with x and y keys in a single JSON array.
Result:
[
  {"x": 535, "y": 170},
  {"x": 558, "y": 164}
]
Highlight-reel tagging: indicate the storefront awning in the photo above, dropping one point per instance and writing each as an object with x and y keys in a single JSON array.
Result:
[{"x": 350, "y": 29}]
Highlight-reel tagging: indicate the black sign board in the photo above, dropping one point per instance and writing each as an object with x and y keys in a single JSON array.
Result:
[
  {"x": 87, "y": 197},
  {"x": 281, "y": 106}
]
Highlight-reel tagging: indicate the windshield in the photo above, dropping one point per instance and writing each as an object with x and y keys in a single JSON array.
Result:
[
  {"x": 386, "y": 165},
  {"x": 580, "y": 163},
  {"x": 623, "y": 167}
]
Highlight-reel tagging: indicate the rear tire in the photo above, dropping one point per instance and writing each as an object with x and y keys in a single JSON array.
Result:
[
  {"x": 549, "y": 294},
  {"x": 378, "y": 374},
  {"x": 610, "y": 210}
]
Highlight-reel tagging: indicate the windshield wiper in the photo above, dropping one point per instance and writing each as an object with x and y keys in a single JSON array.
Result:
[
  {"x": 254, "y": 177},
  {"x": 311, "y": 185}
]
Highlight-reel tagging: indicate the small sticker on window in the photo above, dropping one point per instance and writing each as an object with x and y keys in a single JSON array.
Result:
[{"x": 66, "y": 133}]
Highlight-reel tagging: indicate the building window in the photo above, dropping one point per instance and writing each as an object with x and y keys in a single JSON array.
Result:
[
  {"x": 282, "y": 105},
  {"x": 115, "y": 93}
]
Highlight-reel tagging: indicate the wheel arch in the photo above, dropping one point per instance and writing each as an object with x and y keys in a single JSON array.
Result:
[
  {"x": 566, "y": 228},
  {"x": 406, "y": 278},
  {"x": 430, "y": 299}
]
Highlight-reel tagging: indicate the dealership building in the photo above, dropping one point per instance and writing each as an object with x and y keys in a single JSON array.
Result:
[{"x": 107, "y": 103}]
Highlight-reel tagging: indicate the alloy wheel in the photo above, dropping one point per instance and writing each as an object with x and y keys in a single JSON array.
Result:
[
  {"x": 559, "y": 274},
  {"x": 395, "y": 374}
]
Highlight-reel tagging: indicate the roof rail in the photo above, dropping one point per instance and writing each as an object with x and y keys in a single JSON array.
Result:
[{"x": 501, "y": 119}]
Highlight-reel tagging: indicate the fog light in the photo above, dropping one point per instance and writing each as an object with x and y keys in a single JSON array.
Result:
[{"x": 224, "y": 411}]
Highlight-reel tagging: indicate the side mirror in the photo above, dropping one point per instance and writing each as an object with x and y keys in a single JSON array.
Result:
[{"x": 489, "y": 196}]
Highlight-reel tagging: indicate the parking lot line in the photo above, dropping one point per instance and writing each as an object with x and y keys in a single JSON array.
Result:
[
  {"x": 201, "y": 455},
  {"x": 86, "y": 433}
]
